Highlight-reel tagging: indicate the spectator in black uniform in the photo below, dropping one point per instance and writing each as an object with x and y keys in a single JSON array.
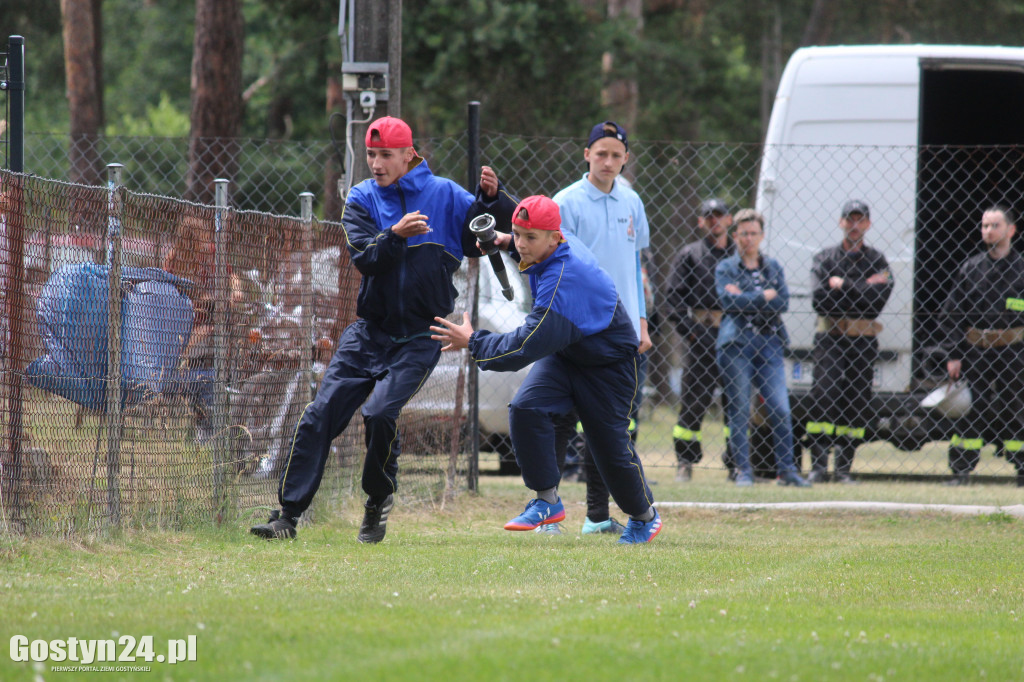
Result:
[
  {"x": 851, "y": 283},
  {"x": 694, "y": 308},
  {"x": 985, "y": 322}
]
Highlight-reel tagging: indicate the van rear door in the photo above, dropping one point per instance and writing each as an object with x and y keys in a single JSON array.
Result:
[{"x": 971, "y": 157}]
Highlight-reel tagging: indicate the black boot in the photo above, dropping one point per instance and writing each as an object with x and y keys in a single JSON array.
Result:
[
  {"x": 846, "y": 448},
  {"x": 819, "y": 461},
  {"x": 688, "y": 452},
  {"x": 961, "y": 463},
  {"x": 375, "y": 520},
  {"x": 958, "y": 480},
  {"x": 277, "y": 527}
]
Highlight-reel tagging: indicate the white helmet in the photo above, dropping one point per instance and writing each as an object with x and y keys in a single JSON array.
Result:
[{"x": 950, "y": 400}]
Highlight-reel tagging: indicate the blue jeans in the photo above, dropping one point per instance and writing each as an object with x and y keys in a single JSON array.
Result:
[{"x": 755, "y": 361}]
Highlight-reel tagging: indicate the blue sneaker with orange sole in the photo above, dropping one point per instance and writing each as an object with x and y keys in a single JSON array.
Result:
[
  {"x": 638, "y": 532},
  {"x": 537, "y": 513}
]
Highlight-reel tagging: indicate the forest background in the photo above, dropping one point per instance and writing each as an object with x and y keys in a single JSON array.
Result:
[{"x": 672, "y": 69}]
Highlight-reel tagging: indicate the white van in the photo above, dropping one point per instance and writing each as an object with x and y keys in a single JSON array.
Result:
[{"x": 928, "y": 136}]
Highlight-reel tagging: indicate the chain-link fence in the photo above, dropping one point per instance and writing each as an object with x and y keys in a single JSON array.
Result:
[
  {"x": 158, "y": 354},
  {"x": 175, "y": 458},
  {"x": 863, "y": 356}
]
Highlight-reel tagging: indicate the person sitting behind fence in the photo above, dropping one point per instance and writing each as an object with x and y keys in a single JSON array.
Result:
[{"x": 192, "y": 257}]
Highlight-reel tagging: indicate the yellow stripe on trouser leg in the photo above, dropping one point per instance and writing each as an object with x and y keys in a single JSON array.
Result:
[
  {"x": 967, "y": 443},
  {"x": 679, "y": 433},
  {"x": 821, "y": 428},
  {"x": 851, "y": 431},
  {"x": 1013, "y": 445}
]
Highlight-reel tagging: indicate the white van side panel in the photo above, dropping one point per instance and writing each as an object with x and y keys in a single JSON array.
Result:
[
  {"x": 836, "y": 97},
  {"x": 843, "y": 126}
]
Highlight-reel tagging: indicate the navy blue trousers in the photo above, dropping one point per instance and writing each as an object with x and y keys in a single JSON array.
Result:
[
  {"x": 603, "y": 398},
  {"x": 367, "y": 363}
]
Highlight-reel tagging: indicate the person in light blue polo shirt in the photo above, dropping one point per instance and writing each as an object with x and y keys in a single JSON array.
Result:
[{"x": 609, "y": 218}]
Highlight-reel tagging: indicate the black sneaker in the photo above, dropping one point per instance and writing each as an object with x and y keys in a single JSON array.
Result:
[
  {"x": 957, "y": 480},
  {"x": 278, "y": 527},
  {"x": 684, "y": 472},
  {"x": 818, "y": 476},
  {"x": 793, "y": 478},
  {"x": 375, "y": 520}
]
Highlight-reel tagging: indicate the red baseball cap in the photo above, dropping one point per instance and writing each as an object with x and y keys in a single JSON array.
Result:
[
  {"x": 537, "y": 213},
  {"x": 392, "y": 133}
]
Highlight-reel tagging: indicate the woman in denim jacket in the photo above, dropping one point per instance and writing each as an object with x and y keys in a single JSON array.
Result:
[{"x": 753, "y": 293}]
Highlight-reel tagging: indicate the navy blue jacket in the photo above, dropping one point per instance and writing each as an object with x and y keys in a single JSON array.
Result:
[
  {"x": 407, "y": 282},
  {"x": 576, "y": 315},
  {"x": 750, "y": 310}
]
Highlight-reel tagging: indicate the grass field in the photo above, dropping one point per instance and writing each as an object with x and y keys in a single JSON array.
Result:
[{"x": 449, "y": 595}]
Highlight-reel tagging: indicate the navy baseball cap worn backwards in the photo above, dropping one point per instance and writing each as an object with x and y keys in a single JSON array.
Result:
[
  {"x": 608, "y": 129},
  {"x": 713, "y": 206},
  {"x": 855, "y": 206}
]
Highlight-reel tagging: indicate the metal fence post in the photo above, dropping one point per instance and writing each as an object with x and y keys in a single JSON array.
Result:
[
  {"x": 221, "y": 296},
  {"x": 307, "y": 352},
  {"x": 15, "y": 86},
  {"x": 113, "y": 416},
  {"x": 473, "y": 174},
  {"x": 11, "y": 483}
]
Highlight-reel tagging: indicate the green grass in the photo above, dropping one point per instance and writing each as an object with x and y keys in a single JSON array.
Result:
[{"x": 756, "y": 595}]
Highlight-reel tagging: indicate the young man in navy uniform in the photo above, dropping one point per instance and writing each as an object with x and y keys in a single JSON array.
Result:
[
  {"x": 407, "y": 232},
  {"x": 584, "y": 351}
]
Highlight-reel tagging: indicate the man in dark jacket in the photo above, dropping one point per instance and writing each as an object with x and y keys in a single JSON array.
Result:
[
  {"x": 583, "y": 347},
  {"x": 851, "y": 283},
  {"x": 694, "y": 308},
  {"x": 407, "y": 232},
  {"x": 985, "y": 324}
]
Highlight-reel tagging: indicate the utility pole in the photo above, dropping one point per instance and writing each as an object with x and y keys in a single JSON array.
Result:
[{"x": 372, "y": 78}]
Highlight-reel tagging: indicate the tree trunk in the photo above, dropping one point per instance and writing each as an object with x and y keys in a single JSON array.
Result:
[
  {"x": 332, "y": 169},
  {"x": 620, "y": 95},
  {"x": 216, "y": 96},
  {"x": 819, "y": 23},
  {"x": 377, "y": 39},
  {"x": 83, "y": 66},
  {"x": 771, "y": 59}
]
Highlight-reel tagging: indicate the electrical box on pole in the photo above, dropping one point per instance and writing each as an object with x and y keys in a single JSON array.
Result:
[{"x": 371, "y": 40}]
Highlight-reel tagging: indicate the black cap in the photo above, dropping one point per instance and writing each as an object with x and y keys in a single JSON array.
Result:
[
  {"x": 608, "y": 129},
  {"x": 855, "y": 206},
  {"x": 713, "y": 206}
]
